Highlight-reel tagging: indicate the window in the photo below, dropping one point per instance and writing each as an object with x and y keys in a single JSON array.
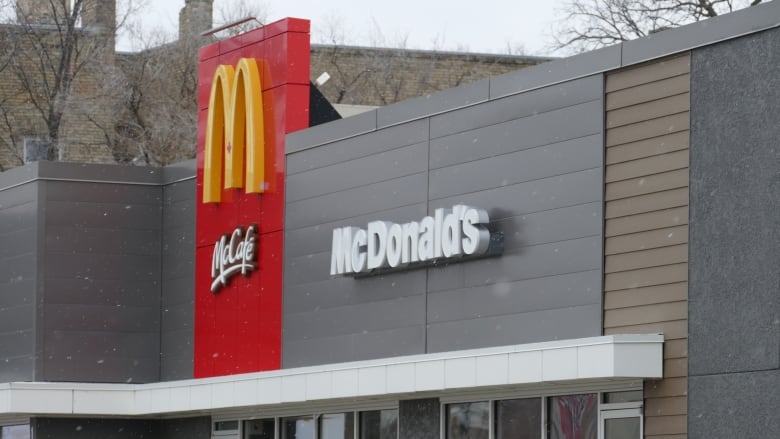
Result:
[
  {"x": 379, "y": 424},
  {"x": 337, "y": 426},
  {"x": 519, "y": 418},
  {"x": 15, "y": 431},
  {"x": 299, "y": 427},
  {"x": 468, "y": 420},
  {"x": 259, "y": 429},
  {"x": 572, "y": 416}
]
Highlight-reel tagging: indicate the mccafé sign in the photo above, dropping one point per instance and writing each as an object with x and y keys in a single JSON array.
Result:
[
  {"x": 235, "y": 138},
  {"x": 233, "y": 255},
  {"x": 449, "y": 234}
]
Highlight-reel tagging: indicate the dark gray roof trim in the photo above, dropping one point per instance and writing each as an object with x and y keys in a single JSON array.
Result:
[
  {"x": 107, "y": 174},
  {"x": 702, "y": 33}
]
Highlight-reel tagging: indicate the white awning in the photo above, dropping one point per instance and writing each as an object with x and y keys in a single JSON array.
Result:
[{"x": 595, "y": 359}]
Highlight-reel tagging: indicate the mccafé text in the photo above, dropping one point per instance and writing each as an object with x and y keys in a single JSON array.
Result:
[{"x": 233, "y": 257}]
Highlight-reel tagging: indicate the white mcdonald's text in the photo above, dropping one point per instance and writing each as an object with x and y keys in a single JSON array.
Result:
[
  {"x": 448, "y": 234},
  {"x": 233, "y": 257}
]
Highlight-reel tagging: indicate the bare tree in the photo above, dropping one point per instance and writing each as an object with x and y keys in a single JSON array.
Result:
[
  {"x": 590, "y": 24},
  {"x": 54, "y": 53}
]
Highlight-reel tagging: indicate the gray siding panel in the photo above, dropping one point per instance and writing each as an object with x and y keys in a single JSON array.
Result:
[
  {"x": 18, "y": 281},
  {"x": 358, "y": 201},
  {"x": 531, "y": 327},
  {"x": 372, "y": 169},
  {"x": 517, "y": 167},
  {"x": 533, "y": 161},
  {"x": 517, "y": 106},
  {"x": 541, "y": 129},
  {"x": 178, "y": 281},
  {"x": 365, "y": 317},
  {"x": 310, "y": 240},
  {"x": 343, "y": 291},
  {"x": 363, "y": 146}
]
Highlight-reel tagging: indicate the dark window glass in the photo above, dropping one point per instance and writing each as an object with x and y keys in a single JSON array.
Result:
[
  {"x": 519, "y": 418},
  {"x": 468, "y": 420},
  {"x": 379, "y": 424},
  {"x": 15, "y": 431},
  {"x": 299, "y": 427},
  {"x": 337, "y": 426},
  {"x": 226, "y": 426},
  {"x": 259, "y": 429},
  {"x": 632, "y": 396},
  {"x": 621, "y": 428},
  {"x": 573, "y": 416}
]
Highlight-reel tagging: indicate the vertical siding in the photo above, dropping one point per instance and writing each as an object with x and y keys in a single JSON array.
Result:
[{"x": 646, "y": 224}]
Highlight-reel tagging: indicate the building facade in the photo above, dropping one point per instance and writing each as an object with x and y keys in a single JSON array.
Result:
[{"x": 583, "y": 249}]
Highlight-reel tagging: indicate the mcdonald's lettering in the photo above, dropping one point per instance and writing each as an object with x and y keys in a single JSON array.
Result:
[{"x": 235, "y": 141}]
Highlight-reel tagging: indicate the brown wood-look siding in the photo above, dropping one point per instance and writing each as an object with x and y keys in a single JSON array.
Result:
[{"x": 646, "y": 229}]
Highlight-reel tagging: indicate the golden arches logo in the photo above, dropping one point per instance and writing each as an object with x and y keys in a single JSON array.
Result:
[{"x": 235, "y": 139}]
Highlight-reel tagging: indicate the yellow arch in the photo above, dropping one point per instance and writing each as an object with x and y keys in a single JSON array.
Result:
[{"x": 234, "y": 130}]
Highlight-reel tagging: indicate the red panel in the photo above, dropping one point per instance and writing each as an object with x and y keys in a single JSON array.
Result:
[
  {"x": 209, "y": 51},
  {"x": 238, "y": 328}
]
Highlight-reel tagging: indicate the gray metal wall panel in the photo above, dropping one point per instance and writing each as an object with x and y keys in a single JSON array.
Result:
[
  {"x": 358, "y": 201},
  {"x": 522, "y": 296},
  {"x": 363, "y": 146},
  {"x": 344, "y": 291},
  {"x": 534, "y": 162},
  {"x": 18, "y": 281},
  {"x": 186, "y": 428},
  {"x": 364, "y": 317},
  {"x": 390, "y": 164},
  {"x": 530, "y": 262},
  {"x": 329, "y": 132},
  {"x": 178, "y": 280},
  {"x": 563, "y": 323},
  {"x": 55, "y": 428},
  {"x": 310, "y": 240},
  {"x": 555, "y": 126},
  {"x": 467, "y": 94},
  {"x": 553, "y": 72},
  {"x": 358, "y": 346},
  {"x": 517, "y": 167},
  {"x": 105, "y": 239},
  {"x": 517, "y": 106}
]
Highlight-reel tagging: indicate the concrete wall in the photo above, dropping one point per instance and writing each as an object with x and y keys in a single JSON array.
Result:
[
  {"x": 534, "y": 161},
  {"x": 734, "y": 255},
  {"x": 19, "y": 254}
]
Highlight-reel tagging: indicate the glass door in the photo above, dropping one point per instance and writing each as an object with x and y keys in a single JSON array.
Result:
[{"x": 621, "y": 424}]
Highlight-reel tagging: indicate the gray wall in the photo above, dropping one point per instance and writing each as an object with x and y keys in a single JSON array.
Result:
[
  {"x": 96, "y": 279},
  {"x": 99, "y": 308},
  {"x": 734, "y": 305},
  {"x": 534, "y": 161},
  {"x": 178, "y": 272},
  {"x": 185, "y": 428},
  {"x": 18, "y": 275}
]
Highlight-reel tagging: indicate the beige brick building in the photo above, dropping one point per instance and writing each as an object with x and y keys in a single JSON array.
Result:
[{"x": 140, "y": 107}]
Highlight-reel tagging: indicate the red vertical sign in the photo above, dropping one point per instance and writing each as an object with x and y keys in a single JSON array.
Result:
[{"x": 238, "y": 326}]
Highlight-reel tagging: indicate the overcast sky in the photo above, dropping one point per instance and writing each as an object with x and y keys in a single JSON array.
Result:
[{"x": 490, "y": 26}]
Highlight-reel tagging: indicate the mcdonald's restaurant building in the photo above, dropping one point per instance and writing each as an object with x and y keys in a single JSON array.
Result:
[{"x": 584, "y": 249}]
